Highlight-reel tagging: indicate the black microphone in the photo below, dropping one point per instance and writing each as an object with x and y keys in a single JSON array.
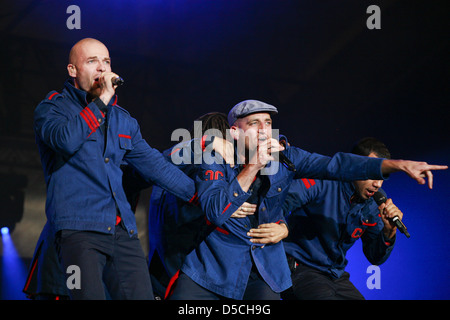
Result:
[
  {"x": 117, "y": 81},
  {"x": 284, "y": 160},
  {"x": 379, "y": 199}
]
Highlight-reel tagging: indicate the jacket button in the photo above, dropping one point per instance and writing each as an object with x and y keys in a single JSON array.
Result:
[
  {"x": 132, "y": 231},
  {"x": 99, "y": 120},
  {"x": 109, "y": 228},
  {"x": 279, "y": 189},
  {"x": 235, "y": 194},
  {"x": 254, "y": 247},
  {"x": 106, "y": 160}
]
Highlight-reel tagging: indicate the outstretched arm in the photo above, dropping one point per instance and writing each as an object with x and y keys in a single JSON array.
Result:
[{"x": 415, "y": 169}]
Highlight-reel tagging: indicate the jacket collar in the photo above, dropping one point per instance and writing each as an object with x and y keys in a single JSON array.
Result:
[{"x": 74, "y": 93}]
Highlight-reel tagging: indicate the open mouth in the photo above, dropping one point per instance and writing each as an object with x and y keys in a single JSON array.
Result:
[
  {"x": 370, "y": 193},
  {"x": 96, "y": 83}
]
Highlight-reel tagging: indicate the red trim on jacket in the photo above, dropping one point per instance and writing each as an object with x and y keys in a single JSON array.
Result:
[
  {"x": 308, "y": 182},
  {"x": 209, "y": 223},
  {"x": 52, "y": 95},
  {"x": 194, "y": 199},
  {"x": 30, "y": 275},
  {"x": 203, "y": 143},
  {"x": 171, "y": 286},
  {"x": 226, "y": 208},
  {"x": 87, "y": 120},
  {"x": 90, "y": 119}
]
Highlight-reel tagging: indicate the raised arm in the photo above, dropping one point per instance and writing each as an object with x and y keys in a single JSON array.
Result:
[{"x": 415, "y": 169}]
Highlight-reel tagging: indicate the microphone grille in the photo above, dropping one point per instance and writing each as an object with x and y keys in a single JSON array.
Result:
[{"x": 379, "y": 198}]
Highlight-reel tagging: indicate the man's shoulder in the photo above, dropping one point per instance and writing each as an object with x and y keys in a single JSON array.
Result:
[
  {"x": 53, "y": 99},
  {"x": 53, "y": 96},
  {"x": 123, "y": 110}
]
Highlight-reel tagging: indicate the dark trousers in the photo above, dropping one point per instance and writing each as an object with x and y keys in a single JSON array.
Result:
[
  {"x": 312, "y": 284},
  {"x": 113, "y": 262},
  {"x": 257, "y": 289}
]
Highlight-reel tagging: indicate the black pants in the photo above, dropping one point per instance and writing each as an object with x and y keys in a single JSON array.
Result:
[
  {"x": 257, "y": 289},
  {"x": 312, "y": 284},
  {"x": 113, "y": 262}
]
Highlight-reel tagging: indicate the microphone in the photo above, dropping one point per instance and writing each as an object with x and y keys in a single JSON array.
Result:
[
  {"x": 282, "y": 158},
  {"x": 379, "y": 199},
  {"x": 117, "y": 81},
  {"x": 285, "y": 161}
]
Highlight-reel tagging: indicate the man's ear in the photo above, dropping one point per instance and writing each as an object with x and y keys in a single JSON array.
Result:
[
  {"x": 72, "y": 70},
  {"x": 234, "y": 131}
]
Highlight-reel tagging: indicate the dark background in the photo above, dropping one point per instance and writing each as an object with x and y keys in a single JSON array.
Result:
[{"x": 332, "y": 79}]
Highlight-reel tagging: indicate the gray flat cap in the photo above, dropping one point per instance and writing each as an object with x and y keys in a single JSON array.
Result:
[{"x": 244, "y": 108}]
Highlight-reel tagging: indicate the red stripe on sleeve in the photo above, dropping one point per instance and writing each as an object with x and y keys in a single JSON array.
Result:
[
  {"x": 305, "y": 181},
  {"x": 88, "y": 117},
  {"x": 87, "y": 120},
  {"x": 194, "y": 199},
  {"x": 226, "y": 208},
  {"x": 92, "y": 116}
]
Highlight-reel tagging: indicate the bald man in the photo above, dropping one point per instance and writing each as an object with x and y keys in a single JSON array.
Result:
[{"x": 83, "y": 137}]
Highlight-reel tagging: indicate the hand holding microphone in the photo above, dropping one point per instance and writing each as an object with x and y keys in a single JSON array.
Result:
[
  {"x": 108, "y": 82},
  {"x": 282, "y": 158},
  {"x": 393, "y": 213}
]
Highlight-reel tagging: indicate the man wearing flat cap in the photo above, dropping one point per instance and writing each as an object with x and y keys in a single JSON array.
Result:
[{"x": 243, "y": 257}]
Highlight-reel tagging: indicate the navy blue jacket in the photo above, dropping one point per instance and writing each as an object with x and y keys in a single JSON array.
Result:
[
  {"x": 324, "y": 224},
  {"x": 82, "y": 166},
  {"x": 223, "y": 261}
]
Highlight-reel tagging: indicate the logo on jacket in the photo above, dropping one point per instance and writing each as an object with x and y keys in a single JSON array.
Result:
[
  {"x": 357, "y": 233},
  {"x": 212, "y": 175}
]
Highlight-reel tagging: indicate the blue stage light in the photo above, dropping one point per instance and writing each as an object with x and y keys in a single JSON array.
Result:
[{"x": 13, "y": 271}]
